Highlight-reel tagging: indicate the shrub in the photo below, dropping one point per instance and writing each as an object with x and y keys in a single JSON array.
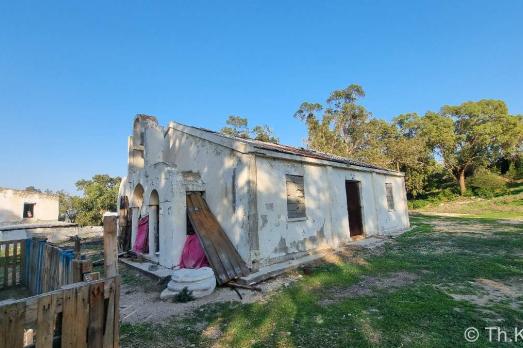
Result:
[
  {"x": 184, "y": 296},
  {"x": 515, "y": 170},
  {"x": 444, "y": 195},
  {"x": 487, "y": 184}
]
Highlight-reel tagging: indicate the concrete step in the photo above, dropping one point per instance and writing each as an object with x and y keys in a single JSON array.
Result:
[{"x": 148, "y": 268}]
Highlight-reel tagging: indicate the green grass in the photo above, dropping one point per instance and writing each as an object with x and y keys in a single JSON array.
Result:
[
  {"x": 419, "y": 314},
  {"x": 509, "y": 206}
]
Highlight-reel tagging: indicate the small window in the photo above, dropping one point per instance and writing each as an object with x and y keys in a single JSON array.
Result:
[
  {"x": 142, "y": 137},
  {"x": 295, "y": 197},
  {"x": 390, "y": 196},
  {"x": 29, "y": 209}
]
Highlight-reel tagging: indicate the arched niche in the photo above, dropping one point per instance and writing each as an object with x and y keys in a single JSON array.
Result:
[
  {"x": 137, "y": 199},
  {"x": 154, "y": 222}
]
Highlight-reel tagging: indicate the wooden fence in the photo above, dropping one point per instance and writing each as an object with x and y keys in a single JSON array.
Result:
[
  {"x": 46, "y": 267},
  {"x": 11, "y": 263},
  {"x": 37, "y": 265},
  {"x": 83, "y": 314},
  {"x": 78, "y": 315}
]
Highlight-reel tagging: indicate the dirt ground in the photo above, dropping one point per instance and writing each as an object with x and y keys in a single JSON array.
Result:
[
  {"x": 140, "y": 295},
  {"x": 140, "y": 303}
]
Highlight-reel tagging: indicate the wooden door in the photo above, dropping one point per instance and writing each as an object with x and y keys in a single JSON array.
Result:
[{"x": 352, "y": 189}]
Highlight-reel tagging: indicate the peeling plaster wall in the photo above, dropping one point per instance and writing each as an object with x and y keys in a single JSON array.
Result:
[
  {"x": 326, "y": 223},
  {"x": 12, "y": 205},
  {"x": 225, "y": 175}
]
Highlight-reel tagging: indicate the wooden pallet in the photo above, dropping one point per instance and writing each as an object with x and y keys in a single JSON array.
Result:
[{"x": 221, "y": 253}]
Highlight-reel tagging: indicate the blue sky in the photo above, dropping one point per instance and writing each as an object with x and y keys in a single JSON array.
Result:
[{"x": 73, "y": 74}]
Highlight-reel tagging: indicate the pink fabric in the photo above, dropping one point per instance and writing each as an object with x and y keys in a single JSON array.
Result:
[
  {"x": 193, "y": 255},
  {"x": 141, "y": 244}
]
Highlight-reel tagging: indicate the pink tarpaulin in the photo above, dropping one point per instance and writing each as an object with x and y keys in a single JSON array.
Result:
[
  {"x": 141, "y": 243},
  {"x": 193, "y": 255}
]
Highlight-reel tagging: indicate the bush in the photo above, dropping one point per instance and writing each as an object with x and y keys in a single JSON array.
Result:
[
  {"x": 487, "y": 184},
  {"x": 444, "y": 195},
  {"x": 184, "y": 296},
  {"x": 515, "y": 170}
]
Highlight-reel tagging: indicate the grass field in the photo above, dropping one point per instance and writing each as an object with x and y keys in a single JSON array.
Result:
[
  {"x": 509, "y": 206},
  {"x": 422, "y": 289}
]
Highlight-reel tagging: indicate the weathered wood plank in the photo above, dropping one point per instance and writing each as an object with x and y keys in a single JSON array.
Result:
[
  {"x": 6, "y": 266},
  {"x": 69, "y": 319},
  {"x": 22, "y": 263},
  {"x": 108, "y": 340},
  {"x": 96, "y": 316},
  {"x": 14, "y": 264},
  {"x": 45, "y": 321},
  {"x": 82, "y": 316},
  {"x": 116, "y": 321},
  {"x": 110, "y": 245},
  {"x": 15, "y": 326},
  {"x": 3, "y": 325},
  {"x": 220, "y": 252}
]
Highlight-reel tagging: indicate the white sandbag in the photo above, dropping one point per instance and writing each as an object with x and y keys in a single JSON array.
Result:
[
  {"x": 189, "y": 275},
  {"x": 204, "y": 284},
  {"x": 201, "y": 282},
  {"x": 168, "y": 295}
]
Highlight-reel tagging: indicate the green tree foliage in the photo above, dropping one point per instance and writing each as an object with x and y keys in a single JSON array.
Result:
[
  {"x": 487, "y": 184},
  {"x": 100, "y": 194},
  {"x": 344, "y": 128},
  {"x": 238, "y": 127},
  {"x": 33, "y": 189},
  {"x": 473, "y": 135},
  {"x": 456, "y": 140}
]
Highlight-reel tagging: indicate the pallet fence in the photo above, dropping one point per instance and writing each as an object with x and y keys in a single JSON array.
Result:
[
  {"x": 11, "y": 263},
  {"x": 82, "y": 314},
  {"x": 78, "y": 315},
  {"x": 46, "y": 267}
]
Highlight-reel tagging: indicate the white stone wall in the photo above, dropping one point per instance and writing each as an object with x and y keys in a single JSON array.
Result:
[
  {"x": 12, "y": 205},
  {"x": 326, "y": 223},
  {"x": 224, "y": 173}
]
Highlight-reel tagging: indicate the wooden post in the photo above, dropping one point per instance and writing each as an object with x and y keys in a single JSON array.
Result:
[
  {"x": 77, "y": 250},
  {"x": 110, "y": 245},
  {"x": 80, "y": 267}
]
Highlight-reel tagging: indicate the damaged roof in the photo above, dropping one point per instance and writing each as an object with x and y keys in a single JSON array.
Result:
[{"x": 293, "y": 150}]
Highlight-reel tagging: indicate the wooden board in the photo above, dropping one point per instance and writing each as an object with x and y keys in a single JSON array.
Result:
[
  {"x": 221, "y": 254},
  {"x": 96, "y": 316},
  {"x": 45, "y": 321},
  {"x": 12, "y": 331},
  {"x": 108, "y": 341}
]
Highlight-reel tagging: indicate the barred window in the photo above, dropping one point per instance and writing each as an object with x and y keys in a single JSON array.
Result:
[
  {"x": 390, "y": 196},
  {"x": 295, "y": 197}
]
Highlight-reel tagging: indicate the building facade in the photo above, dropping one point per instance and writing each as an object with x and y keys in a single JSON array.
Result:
[
  {"x": 17, "y": 206},
  {"x": 275, "y": 203}
]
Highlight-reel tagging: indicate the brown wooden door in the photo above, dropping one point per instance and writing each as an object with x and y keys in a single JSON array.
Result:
[{"x": 352, "y": 189}]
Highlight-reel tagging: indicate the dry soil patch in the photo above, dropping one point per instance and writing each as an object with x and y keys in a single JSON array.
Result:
[{"x": 368, "y": 286}]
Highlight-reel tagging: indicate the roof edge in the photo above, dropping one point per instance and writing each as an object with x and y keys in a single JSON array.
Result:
[{"x": 246, "y": 146}]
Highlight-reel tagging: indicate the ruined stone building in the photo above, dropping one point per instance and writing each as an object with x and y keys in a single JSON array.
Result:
[
  {"x": 275, "y": 203},
  {"x": 18, "y": 206}
]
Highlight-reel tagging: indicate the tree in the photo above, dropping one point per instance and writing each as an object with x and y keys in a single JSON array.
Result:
[
  {"x": 238, "y": 127},
  {"x": 472, "y": 135},
  {"x": 343, "y": 128},
  {"x": 33, "y": 189},
  {"x": 100, "y": 194}
]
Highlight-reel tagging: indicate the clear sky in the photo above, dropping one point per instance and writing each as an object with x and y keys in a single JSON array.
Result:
[{"x": 74, "y": 73}]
